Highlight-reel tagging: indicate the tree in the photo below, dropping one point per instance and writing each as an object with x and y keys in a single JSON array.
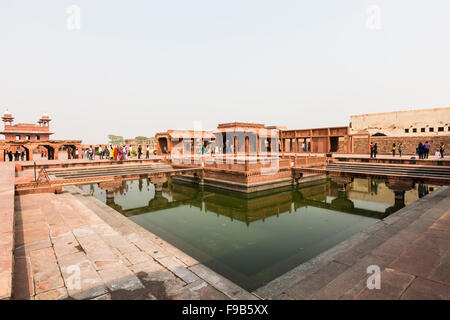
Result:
[
  {"x": 141, "y": 138},
  {"x": 113, "y": 139}
]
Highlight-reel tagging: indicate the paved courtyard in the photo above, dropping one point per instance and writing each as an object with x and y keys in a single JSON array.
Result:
[
  {"x": 411, "y": 247},
  {"x": 70, "y": 246}
]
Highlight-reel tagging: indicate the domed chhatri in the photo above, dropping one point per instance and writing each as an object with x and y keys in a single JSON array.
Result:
[
  {"x": 7, "y": 117},
  {"x": 44, "y": 120}
]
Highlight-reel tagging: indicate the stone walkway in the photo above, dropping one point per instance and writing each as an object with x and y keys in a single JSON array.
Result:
[
  {"x": 6, "y": 228},
  {"x": 411, "y": 247},
  {"x": 72, "y": 246}
]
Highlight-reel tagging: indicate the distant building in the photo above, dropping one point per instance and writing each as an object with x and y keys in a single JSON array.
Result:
[
  {"x": 34, "y": 139},
  {"x": 424, "y": 122},
  {"x": 406, "y": 127},
  {"x": 26, "y": 131}
]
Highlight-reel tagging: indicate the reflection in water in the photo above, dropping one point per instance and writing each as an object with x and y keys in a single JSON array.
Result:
[{"x": 251, "y": 239}]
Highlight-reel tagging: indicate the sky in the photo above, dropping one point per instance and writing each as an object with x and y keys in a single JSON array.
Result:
[{"x": 140, "y": 67}]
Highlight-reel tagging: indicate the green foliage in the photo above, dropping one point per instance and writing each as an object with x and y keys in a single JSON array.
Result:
[
  {"x": 141, "y": 138},
  {"x": 134, "y": 153},
  {"x": 113, "y": 139}
]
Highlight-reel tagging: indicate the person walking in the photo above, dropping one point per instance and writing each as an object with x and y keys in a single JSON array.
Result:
[
  {"x": 139, "y": 151},
  {"x": 393, "y": 149},
  {"x": 371, "y": 149},
  {"x": 125, "y": 152},
  {"x": 400, "y": 149},
  {"x": 375, "y": 150},
  {"x": 426, "y": 149},
  {"x": 147, "y": 153},
  {"x": 441, "y": 150},
  {"x": 100, "y": 152}
]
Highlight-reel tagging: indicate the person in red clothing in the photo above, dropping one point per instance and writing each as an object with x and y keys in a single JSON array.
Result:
[{"x": 116, "y": 152}]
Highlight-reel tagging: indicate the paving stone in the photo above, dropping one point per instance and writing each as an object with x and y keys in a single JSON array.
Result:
[
  {"x": 349, "y": 278},
  {"x": 96, "y": 249},
  {"x": 46, "y": 273},
  {"x": 162, "y": 283},
  {"x": 80, "y": 277},
  {"x": 28, "y": 236},
  {"x": 316, "y": 281},
  {"x": 57, "y": 294},
  {"x": 393, "y": 284},
  {"x": 178, "y": 268},
  {"x": 199, "y": 290},
  {"x": 442, "y": 272},
  {"x": 417, "y": 261},
  {"x": 283, "y": 296},
  {"x": 5, "y": 284},
  {"x": 103, "y": 297},
  {"x": 58, "y": 230},
  {"x": 66, "y": 244},
  {"x": 423, "y": 289},
  {"x": 137, "y": 257},
  {"x": 120, "y": 278},
  {"x": 24, "y": 250},
  {"x": 222, "y": 284},
  {"x": 23, "y": 279}
]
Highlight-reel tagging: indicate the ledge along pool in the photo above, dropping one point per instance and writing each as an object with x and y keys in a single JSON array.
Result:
[{"x": 253, "y": 238}]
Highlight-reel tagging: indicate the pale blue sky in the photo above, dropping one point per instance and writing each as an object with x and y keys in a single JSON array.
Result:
[{"x": 139, "y": 67}]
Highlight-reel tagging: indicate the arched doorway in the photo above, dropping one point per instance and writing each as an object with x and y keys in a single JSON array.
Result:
[{"x": 163, "y": 145}]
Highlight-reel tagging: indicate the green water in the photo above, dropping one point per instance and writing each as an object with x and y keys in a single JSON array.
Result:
[{"x": 253, "y": 239}]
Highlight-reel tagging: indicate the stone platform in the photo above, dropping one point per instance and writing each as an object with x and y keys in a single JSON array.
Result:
[
  {"x": 411, "y": 247},
  {"x": 7, "y": 173},
  {"x": 72, "y": 246}
]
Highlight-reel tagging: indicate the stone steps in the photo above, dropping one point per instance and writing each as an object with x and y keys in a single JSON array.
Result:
[
  {"x": 111, "y": 171},
  {"x": 163, "y": 254},
  {"x": 417, "y": 230},
  {"x": 414, "y": 171}
]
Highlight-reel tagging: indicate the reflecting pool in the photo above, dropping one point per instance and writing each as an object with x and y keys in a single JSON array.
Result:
[{"x": 252, "y": 239}]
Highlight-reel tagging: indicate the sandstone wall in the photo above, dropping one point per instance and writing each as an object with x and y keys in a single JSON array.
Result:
[{"x": 409, "y": 144}]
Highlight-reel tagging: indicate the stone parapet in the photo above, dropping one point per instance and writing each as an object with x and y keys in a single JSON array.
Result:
[{"x": 7, "y": 176}]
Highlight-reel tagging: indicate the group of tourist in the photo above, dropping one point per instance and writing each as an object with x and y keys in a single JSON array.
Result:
[
  {"x": 422, "y": 150},
  {"x": 118, "y": 152},
  {"x": 19, "y": 155}
]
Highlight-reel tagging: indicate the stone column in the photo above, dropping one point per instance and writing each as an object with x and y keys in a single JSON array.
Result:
[
  {"x": 55, "y": 152},
  {"x": 235, "y": 145},
  {"x": 247, "y": 145},
  {"x": 258, "y": 142}
]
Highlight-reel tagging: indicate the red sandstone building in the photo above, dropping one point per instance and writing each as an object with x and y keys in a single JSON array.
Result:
[
  {"x": 34, "y": 139},
  {"x": 257, "y": 139}
]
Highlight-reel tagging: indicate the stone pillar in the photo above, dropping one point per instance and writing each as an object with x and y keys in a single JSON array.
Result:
[
  {"x": 258, "y": 142},
  {"x": 247, "y": 145},
  {"x": 158, "y": 187},
  {"x": 30, "y": 154},
  {"x": 235, "y": 145},
  {"x": 55, "y": 152},
  {"x": 109, "y": 193}
]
